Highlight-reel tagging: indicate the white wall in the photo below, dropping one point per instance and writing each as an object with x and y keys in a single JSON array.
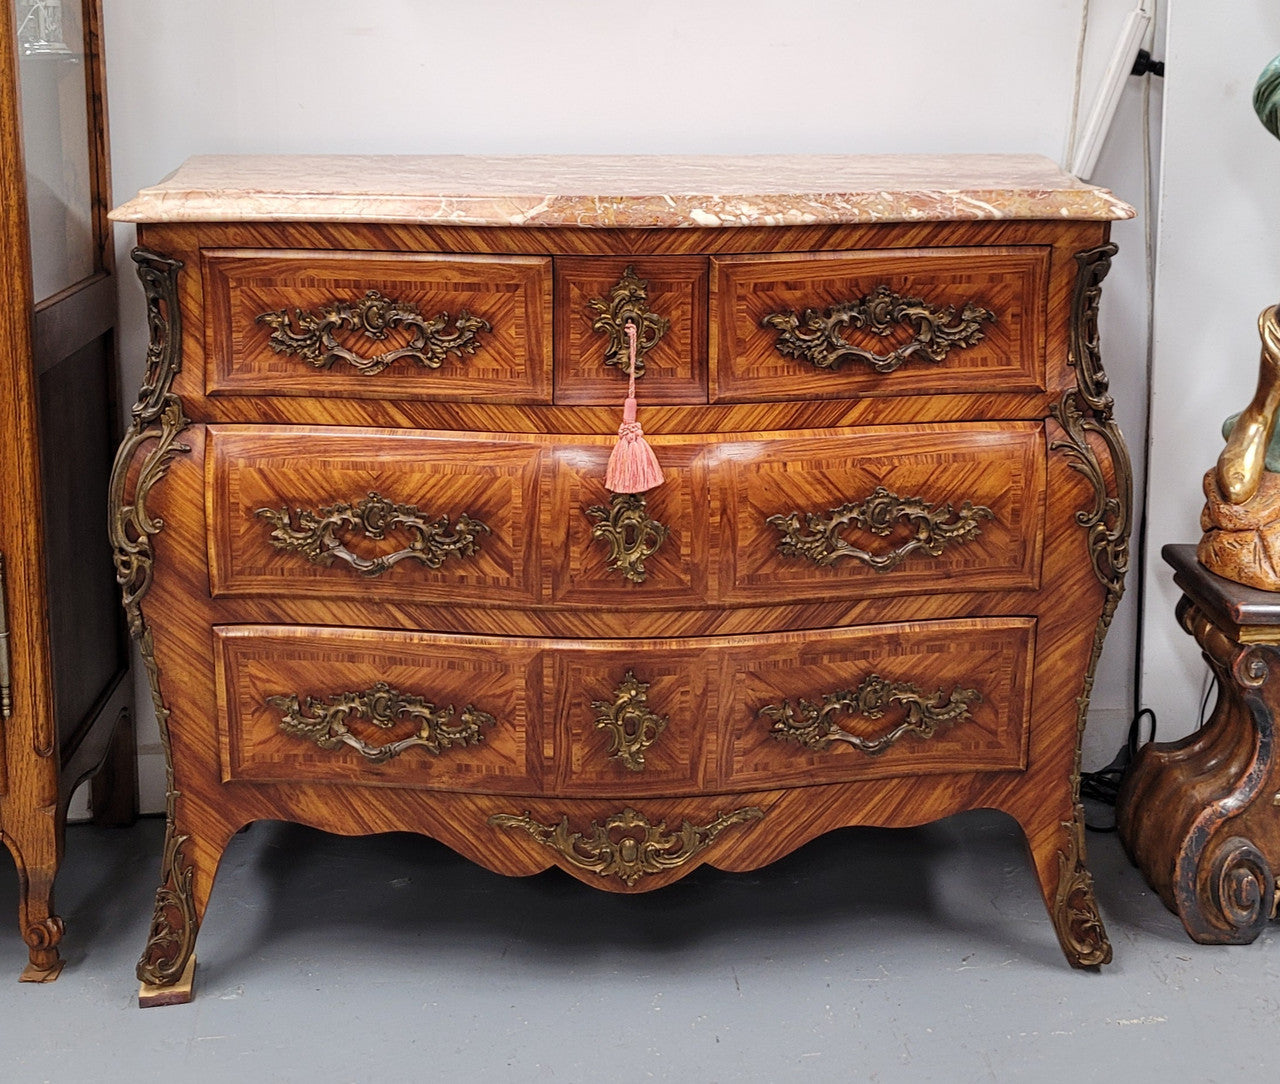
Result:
[
  {"x": 705, "y": 76},
  {"x": 1219, "y": 266}
]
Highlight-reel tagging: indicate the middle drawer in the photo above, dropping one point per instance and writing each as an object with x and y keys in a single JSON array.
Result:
[{"x": 525, "y": 520}]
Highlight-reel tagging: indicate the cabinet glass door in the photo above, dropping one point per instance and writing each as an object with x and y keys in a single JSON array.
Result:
[
  {"x": 56, "y": 142},
  {"x": 62, "y": 100}
]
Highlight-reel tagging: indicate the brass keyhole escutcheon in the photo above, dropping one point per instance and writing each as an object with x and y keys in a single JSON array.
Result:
[
  {"x": 631, "y": 726},
  {"x": 630, "y": 533},
  {"x": 628, "y": 303}
]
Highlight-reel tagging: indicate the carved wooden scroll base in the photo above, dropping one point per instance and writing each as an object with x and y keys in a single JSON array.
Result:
[
  {"x": 1201, "y": 816},
  {"x": 42, "y": 938}
]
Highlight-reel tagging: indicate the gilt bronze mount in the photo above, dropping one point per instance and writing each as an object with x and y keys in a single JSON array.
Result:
[
  {"x": 631, "y": 726},
  {"x": 815, "y": 727},
  {"x": 627, "y": 845},
  {"x": 158, "y": 419},
  {"x": 383, "y": 707},
  {"x": 376, "y": 317},
  {"x": 315, "y": 536},
  {"x": 628, "y": 303},
  {"x": 932, "y": 529},
  {"x": 630, "y": 533},
  {"x": 818, "y": 337}
]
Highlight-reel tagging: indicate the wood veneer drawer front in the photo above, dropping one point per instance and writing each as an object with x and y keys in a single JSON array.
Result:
[
  {"x": 615, "y": 550},
  {"x": 666, "y": 296},
  {"x": 622, "y": 718},
  {"x": 882, "y": 511},
  {"x": 380, "y": 514},
  {"x": 895, "y": 322},
  {"x": 375, "y": 707},
  {"x": 378, "y": 326},
  {"x": 630, "y": 717},
  {"x": 877, "y": 701}
]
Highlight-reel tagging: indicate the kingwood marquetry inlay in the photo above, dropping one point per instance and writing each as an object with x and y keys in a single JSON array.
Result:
[
  {"x": 376, "y": 317},
  {"x": 816, "y": 726},
  {"x": 325, "y": 721},
  {"x": 820, "y": 337},
  {"x": 931, "y": 529},
  {"x": 317, "y": 535}
]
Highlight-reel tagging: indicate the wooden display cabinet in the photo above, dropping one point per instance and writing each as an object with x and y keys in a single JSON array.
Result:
[{"x": 65, "y": 694}]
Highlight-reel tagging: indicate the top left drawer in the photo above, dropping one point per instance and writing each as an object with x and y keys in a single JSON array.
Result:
[{"x": 377, "y": 325}]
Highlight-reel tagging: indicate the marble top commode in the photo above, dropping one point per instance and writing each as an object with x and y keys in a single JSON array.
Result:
[
  {"x": 619, "y": 191},
  {"x": 369, "y": 551}
]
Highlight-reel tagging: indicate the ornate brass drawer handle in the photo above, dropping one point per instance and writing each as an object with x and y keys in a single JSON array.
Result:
[
  {"x": 632, "y": 727},
  {"x": 814, "y": 725},
  {"x": 627, "y": 303},
  {"x": 817, "y": 337},
  {"x": 933, "y": 529},
  {"x": 384, "y": 707},
  {"x": 627, "y": 845},
  {"x": 376, "y": 316},
  {"x": 629, "y": 532},
  {"x": 315, "y": 535}
]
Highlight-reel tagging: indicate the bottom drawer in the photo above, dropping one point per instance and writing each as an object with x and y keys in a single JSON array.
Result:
[
  {"x": 622, "y": 718},
  {"x": 374, "y": 707},
  {"x": 877, "y": 701}
]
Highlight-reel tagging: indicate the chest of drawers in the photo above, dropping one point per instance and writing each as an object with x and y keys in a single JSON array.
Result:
[{"x": 364, "y": 540}]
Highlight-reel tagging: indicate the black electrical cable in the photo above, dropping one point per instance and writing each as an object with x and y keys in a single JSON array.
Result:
[{"x": 1103, "y": 786}]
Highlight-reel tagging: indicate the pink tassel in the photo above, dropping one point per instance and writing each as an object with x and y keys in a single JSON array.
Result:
[{"x": 633, "y": 468}]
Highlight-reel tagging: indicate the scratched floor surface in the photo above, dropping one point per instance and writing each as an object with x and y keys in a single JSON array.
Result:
[{"x": 869, "y": 955}]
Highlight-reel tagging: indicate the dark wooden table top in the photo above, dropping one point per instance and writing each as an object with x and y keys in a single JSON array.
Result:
[{"x": 1233, "y": 606}]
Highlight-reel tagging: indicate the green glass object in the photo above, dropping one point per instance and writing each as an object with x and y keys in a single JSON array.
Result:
[{"x": 1266, "y": 97}]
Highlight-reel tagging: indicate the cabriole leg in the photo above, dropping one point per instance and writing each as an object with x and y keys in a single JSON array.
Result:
[{"x": 1058, "y": 852}]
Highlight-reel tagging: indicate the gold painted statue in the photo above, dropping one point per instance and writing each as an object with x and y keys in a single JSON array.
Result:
[{"x": 1241, "y": 517}]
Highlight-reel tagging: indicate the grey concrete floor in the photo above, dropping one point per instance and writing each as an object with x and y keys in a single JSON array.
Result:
[{"x": 872, "y": 955}]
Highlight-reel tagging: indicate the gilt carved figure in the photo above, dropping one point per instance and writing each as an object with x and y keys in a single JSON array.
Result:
[{"x": 1241, "y": 517}]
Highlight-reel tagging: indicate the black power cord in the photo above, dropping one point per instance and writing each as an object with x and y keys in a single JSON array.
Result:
[{"x": 1103, "y": 786}]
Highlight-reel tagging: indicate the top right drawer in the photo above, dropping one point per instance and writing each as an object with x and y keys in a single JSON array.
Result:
[{"x": 844, "y": 325}]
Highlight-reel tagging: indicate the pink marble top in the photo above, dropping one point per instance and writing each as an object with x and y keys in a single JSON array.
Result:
[{"x": 603, "y": 191}]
